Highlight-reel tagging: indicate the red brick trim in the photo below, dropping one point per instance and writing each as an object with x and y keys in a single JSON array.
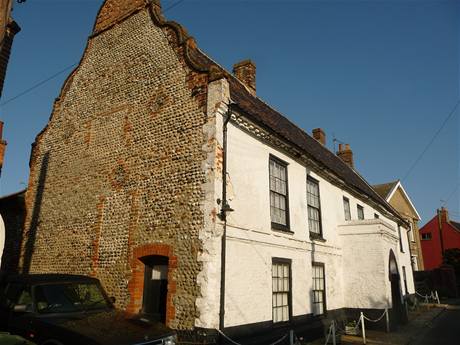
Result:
[{"x": 136, "y": 283}]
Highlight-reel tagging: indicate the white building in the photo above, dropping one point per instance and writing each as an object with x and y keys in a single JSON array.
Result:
[{"x": 308, "y": 238}]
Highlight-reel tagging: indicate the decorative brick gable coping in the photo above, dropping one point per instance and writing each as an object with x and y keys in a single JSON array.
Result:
[
  {"x": 115, "y": 11},
  {"x": 136, "y": 283}
]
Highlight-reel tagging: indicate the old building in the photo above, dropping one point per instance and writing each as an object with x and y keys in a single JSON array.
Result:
[
  {"x": 396, "y": 196},
  {"x": 437, "y": 235},
  {"x": 195, "y": 202},
  {"x": 8, "y": 29}
]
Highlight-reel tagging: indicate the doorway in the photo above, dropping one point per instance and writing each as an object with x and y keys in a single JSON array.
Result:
[
  {"x": 398, "y": 315},
  {"x": 155, "y": 287}
]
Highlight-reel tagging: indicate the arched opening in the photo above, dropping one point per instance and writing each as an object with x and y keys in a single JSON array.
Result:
[
  {"x": 155, "y": 290},
  {"x": 398, "y": 315}
]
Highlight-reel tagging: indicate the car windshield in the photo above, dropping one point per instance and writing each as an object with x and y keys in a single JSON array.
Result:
[{"x": 69, "y": 297}]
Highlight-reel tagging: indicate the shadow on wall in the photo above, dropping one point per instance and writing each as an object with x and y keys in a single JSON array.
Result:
[{"x": 35, "y": 219}]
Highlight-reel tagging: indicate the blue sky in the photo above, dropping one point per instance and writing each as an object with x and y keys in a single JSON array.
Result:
[{"x": 379, "y": 75}]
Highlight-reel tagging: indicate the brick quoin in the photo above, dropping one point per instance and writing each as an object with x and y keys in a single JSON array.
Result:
[{"x": 136, "y": 283}]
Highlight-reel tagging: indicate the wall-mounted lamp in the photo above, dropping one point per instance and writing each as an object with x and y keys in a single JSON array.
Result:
[{"x": 224, "y": 209}]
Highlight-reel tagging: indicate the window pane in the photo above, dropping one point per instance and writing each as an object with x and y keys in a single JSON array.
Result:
[
  {"x": 313, "y": 203},
  {"x": 318, "y": 289},
  {"x": 280, "y": 298}
]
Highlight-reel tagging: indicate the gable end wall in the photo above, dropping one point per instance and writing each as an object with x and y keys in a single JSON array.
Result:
[{"x": 119, "y": 167}]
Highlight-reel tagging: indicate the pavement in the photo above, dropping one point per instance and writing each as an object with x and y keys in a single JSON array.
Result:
[{"x": 422, "y": 328}]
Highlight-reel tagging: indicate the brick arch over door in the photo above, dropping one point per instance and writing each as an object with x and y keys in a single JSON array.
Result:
[{"x": 136, "y": 283}]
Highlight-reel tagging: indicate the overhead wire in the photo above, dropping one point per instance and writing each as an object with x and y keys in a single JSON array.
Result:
[
  {"x": 452, "y": 112},
  {"x": 40, "y": 83},
  {"x": 44, "y": 81}
]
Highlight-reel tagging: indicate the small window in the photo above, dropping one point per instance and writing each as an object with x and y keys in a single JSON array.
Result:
[
  {"x": 278, "y": 194},
  {"x": 426, "y": 236},
  {"x": 346, "y": 208},
  {"x": 414, "y": 263},
  {"x": 281, "y": 291},
  {"x": 360, "y": 211},
  {"x": 314, "y": 207},
  {"x": 411, "y": 232},
  {"x": 400, "y": 239},
  {"x": 376, "y": 216},
  {"x": 319, "y": 291},
  {"x": 405, "y": 278}
]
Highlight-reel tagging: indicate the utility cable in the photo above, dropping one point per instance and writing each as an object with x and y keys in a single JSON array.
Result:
[
  {"x": 44, "y": 81},
  {"x": 173, "y": 5},
  {"x": 40, "y": 83},
  {"x": 432, "y": 140}
]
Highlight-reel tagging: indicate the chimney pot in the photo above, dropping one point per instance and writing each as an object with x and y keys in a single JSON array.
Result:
[
  {"x": 319, "y": 135},
  {"x": 346, "y": 154},
  {"x": 245, "y": 71}
]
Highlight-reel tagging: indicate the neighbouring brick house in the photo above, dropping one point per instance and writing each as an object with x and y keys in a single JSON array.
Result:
[
  {"x": 396, "y": 196},
  {"x": 437, "y": 235},
  {"x": 131, "y": 182}
]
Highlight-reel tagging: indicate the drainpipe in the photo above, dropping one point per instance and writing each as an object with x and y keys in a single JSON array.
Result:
[
  {"x": 225, "y": 207},
  {"x": 440, "y": 235}
]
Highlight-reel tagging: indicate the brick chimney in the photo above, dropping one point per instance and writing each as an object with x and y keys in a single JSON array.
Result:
[
  {"x": 346, "y": 154},
  {"x": 2, "y": 146},
  {"x": 444, "y": 214},
  {"x": 245, "y": 71},
  {"x": 319, "y": 135}
]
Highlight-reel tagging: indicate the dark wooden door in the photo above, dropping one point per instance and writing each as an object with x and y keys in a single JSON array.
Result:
[
  {"x": 397, "y": 309},
  {"x": 155, "y": 288}
]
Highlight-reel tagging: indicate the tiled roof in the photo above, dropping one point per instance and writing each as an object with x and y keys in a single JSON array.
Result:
[
  {"x": 384, "y": 189},
  {"x": 264, "y": 115},
  {"x": 455, "y": 225}
]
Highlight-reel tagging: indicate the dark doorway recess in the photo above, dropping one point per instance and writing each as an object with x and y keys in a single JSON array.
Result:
[
  {"x": 397, "y": 314},
  {"x": 155, "y": 287}
]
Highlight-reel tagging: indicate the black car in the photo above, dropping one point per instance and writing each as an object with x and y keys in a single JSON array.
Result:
[{"x": 59, "y": 309}]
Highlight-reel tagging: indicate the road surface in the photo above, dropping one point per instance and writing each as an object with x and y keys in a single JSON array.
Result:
[{"x": 444, "y": 330}]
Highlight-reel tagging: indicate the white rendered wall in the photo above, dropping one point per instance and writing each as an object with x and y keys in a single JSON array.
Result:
[{"x": 251, "y": 243}]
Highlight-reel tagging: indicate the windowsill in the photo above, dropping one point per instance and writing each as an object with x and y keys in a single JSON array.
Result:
[
  {"x": 287, "y": 231},
  {"x": 317, "y": 237},
  {"x": 282, "y": 323},
  {"x": 281, "y": 227}
]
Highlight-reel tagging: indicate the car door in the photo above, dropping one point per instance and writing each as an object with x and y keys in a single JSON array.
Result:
[
  {"x": 18, "y": 294},
  {"x": 4, "y": 308}
]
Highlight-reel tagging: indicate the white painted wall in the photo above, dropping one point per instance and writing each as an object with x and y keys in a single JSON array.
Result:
[
  {"x": 252, "y": 243},
  {"x": 356, "y": 265}
]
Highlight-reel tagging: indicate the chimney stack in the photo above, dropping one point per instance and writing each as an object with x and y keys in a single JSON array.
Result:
[
  {"x": 245, "y": 71},
  {"x": 444, "y": 214},
  {"x": 346, "y": 154},
  {"x": 319, "y": 135}
]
